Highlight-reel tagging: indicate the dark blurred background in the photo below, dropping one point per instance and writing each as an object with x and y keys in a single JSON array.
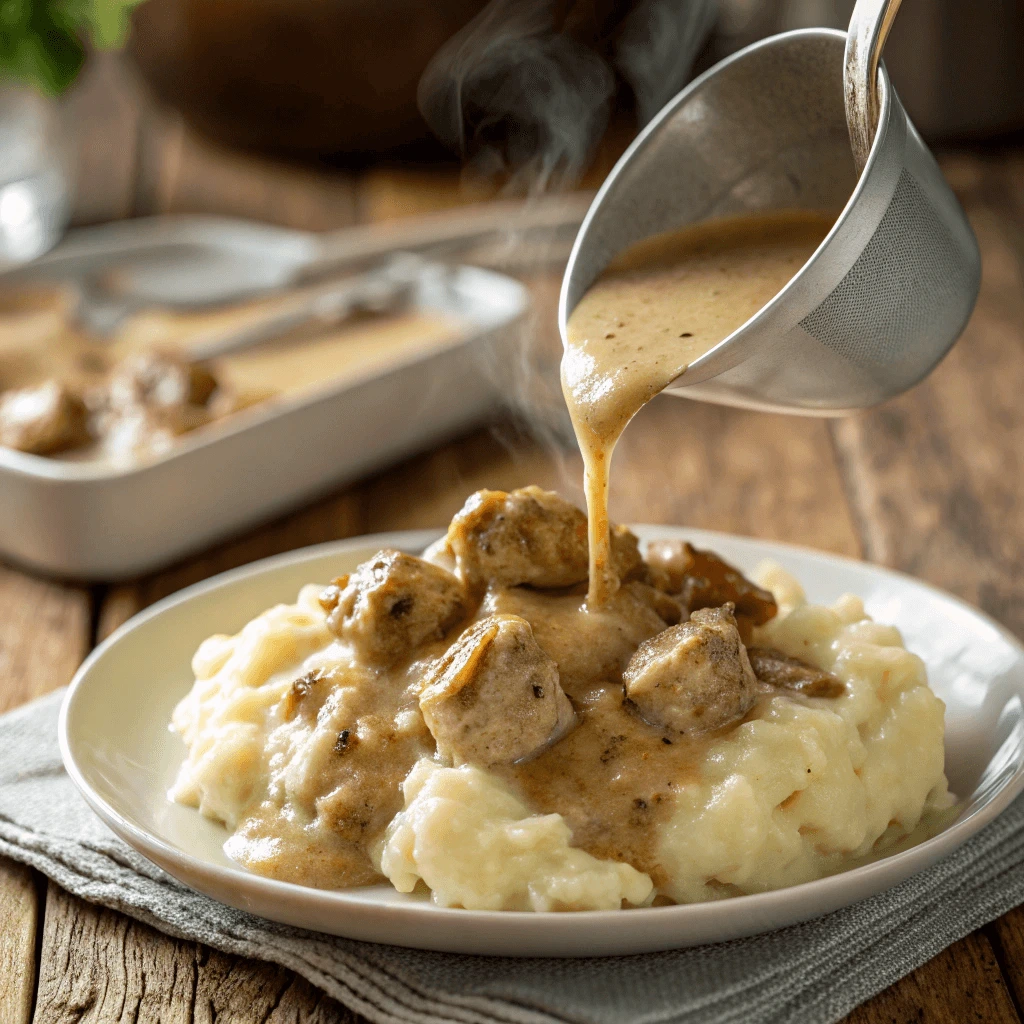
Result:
[
  {"x": 338, "y": 79},
  {"x": 200, "y": 106}
]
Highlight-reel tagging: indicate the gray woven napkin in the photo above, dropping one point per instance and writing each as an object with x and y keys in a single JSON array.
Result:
[{"x": 812, "y": 973}]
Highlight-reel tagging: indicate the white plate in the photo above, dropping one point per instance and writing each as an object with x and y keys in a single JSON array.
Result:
[{"x": 117, "y": 748}]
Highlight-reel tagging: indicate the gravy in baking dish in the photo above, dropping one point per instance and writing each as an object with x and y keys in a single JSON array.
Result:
[{"x": 65, "y": 394}]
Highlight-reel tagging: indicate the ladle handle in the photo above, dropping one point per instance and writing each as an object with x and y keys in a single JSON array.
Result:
[{"x": 869, "y": 27}]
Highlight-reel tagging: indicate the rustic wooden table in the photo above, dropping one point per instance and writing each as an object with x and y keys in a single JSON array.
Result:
[{"x": 930, "y": 483}]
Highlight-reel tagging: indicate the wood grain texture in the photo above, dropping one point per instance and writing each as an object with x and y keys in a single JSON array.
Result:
[
  {"x": 100, "y": 967},
  {"x": 725, "y": 469},
  {"x": 962, "y": 985},
  {"x": 102, "y": 115},
  {"x": 44, "y": 635},
  {"x": 390, "y": 194},
  {"x": 332, "y": 518},
  {"x": 18, "y": 922},
  {"x": 1007, "y": 938}
]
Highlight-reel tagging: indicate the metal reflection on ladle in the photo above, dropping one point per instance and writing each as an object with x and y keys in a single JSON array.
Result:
[{"x": 890, "y": 288}]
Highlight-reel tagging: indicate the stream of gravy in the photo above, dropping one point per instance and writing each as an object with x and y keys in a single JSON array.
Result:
[{"x": 659, "y": 306}]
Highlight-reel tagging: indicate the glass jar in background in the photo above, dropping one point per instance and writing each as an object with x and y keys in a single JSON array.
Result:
[{"x": 35, "y": 174}]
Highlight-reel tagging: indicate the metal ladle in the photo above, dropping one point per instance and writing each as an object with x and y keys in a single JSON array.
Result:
[
  {"x": 869, "y": 28},
  {"x": 775, "y": 126}
]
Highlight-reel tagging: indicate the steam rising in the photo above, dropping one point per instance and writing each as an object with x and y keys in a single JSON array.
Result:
[
  {"x": 512, "y": 92},
  {"x": 528, "y": 85},
  {"x": 525, "y": 92},
  {"x": 656, "y": 48}
]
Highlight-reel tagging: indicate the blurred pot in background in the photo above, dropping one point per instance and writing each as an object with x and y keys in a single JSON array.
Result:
[
  {"x": 325, "y": 78},
  {"x": 303, "y": 77},
  {"x": 958, "y": 65}
]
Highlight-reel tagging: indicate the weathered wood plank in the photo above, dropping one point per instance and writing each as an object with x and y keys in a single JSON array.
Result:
[
  {"x": 102, "y": 114},
  {"x": 393, "y": 193},
  {"x": 44, "y": 635},
  {"x": 333, "y": 518},
  {"x": 1007, "y": 936},
  {"x": 428, "y": 490},
  {"x": 725, "y": 469},
  {"x": 100, "y": 967},
  {"x": 962, "y": 984},
  {"x": 19, "y": 914}
]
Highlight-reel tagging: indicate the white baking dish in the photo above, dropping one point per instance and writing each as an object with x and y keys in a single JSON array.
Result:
[{"x": 90, "y": 520}]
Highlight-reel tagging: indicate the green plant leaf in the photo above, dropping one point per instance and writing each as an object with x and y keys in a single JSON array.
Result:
[
  {"x": 42, "y": 41},
  {"x": 110, "y": 21},
  {"x": 49, "y": 61}
]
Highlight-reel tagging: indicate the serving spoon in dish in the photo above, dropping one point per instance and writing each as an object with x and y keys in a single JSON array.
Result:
[
  {"x": 190, "y": 263},
  {"x": 805, "y": 120}
]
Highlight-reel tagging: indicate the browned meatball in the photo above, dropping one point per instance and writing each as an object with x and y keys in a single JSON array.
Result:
[
  {"x": 703, "y": 580},
  {"x": 391, "y": 604},
  {"x": 626, "y": 558},
  {"x": 693, "y": 677},
  {"x": 161, "y": 381},
  {"x": 43, "y": 420},
  {"x": 494, "y": 698},
  {"x": 529, "y": 536},
  {"x": 148, "y": 401}
]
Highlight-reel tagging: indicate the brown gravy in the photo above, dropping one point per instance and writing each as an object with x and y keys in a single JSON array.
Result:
[
  {"x": 613, "y": 779},
  {"x": 38, "y": 342},
  {"x": 660, "y": 306}
]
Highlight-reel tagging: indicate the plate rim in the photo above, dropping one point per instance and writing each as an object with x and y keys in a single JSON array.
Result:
[{"x": 914, "y": 859}]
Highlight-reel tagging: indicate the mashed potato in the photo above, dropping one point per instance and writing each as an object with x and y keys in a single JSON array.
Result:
[
  {"x": 795, "y": 793},
  {"x": 800, "y": 788},
  {"x": 807, "y": 787},
  {"x": 226, "y": 716},
  {"x": 477, "y": 846}
]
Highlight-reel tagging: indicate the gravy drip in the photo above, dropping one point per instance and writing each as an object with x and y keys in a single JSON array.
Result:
[
  {"x": 341, "y": 742},
  {"x": 659, "y": 306},
  {"x": 614, "y": 779}
]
